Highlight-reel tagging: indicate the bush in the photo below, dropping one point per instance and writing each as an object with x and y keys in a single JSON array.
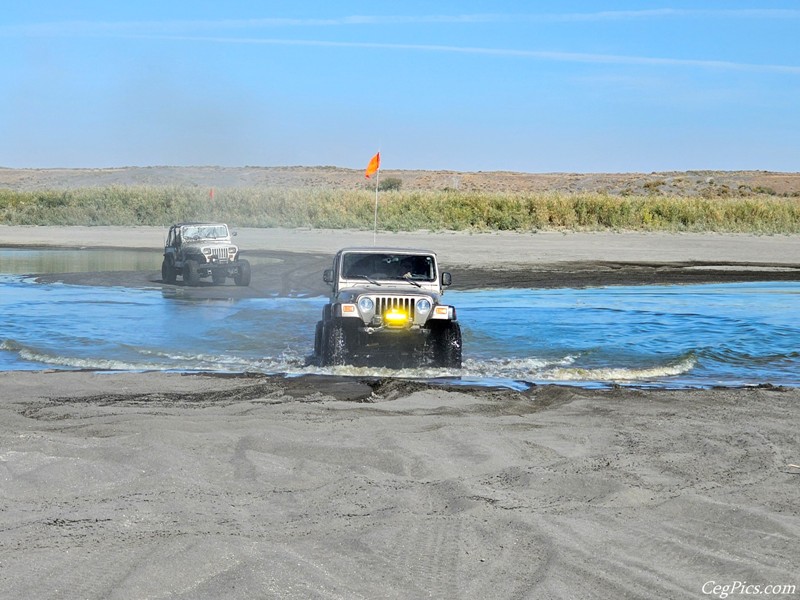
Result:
[{"x": 390, "y": 184}]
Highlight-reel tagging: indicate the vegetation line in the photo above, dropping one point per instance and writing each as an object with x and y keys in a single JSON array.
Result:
[{"x": 400, "y": 210}]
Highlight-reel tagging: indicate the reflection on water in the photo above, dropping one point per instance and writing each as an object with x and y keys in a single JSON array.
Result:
[
  {"x": 69, "y": 260},
  {"x": 668, "y": 336},
  {"x": 53, "y": 260}
]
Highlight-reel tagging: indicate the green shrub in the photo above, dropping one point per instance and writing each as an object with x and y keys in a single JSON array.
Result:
[
  {"x": 390, "y": 184},
  {"x": 401, "y": 211}
]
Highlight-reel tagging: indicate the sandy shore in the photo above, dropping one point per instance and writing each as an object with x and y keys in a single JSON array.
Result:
[
  {"x": 477, "y": 249},
  {"x": 155, "y": 485},
  {"x": 158, "y": 485}
]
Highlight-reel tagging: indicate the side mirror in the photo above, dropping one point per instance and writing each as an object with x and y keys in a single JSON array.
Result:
[
  {"x": 327, "y": 276},
  {"x": 234, "y": 233},
  {"x": 447, "y": 279}
]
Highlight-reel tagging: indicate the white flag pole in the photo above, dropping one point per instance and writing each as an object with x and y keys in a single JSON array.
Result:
[{"x": 375, "y": 227}]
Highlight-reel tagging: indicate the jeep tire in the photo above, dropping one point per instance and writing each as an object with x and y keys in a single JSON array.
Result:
[
  {"x": 334, "y": 344},
  {"x": 318, "y": 341},
  {"x": 242, "y": 276},
  {"x": 446, "y": 341},
  {"x": 168, "y": 274},
  {"x": 190, "y": 274}
]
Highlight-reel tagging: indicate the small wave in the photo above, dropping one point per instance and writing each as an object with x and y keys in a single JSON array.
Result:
[
  {"x": 527, "y": 369},
  {"x": 621, "y": 374},
  {"x": 288, "y": 362},
  {"x": 10, "y": 346},
  {"x": 86, "y": 363},
  {"x": 514, "y": 368},
  {"x": 34, "y": 355},
  {"x": 473, "y": 369},
  {"x": 498, "y": 370},
  {"x": 200, "y": 359}
]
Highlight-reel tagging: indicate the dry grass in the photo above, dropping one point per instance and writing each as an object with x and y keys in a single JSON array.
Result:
[{"x": 400, "y": 210}]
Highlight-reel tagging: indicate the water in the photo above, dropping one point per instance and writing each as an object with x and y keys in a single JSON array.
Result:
[
  {"x": 66, "y": 260},
  {"x": 87, "y": 260},
  {"x": 664, "y": 336}
]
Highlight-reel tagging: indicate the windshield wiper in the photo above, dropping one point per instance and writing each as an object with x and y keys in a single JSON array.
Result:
[
  {"x": 367, "y": 277},
  {"x": 411, "y": 281}
]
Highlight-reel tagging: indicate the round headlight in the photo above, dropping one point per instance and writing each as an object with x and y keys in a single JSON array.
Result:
[
  {"x": 424, "y": 305},
  {"x": 366, "y": 304},
  {"x": 207, "y": 251}
]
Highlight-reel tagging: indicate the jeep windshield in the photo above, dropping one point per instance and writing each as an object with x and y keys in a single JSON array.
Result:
[
  {"x": 205, "y": 232},
  {"x": 373, "y": 266}
]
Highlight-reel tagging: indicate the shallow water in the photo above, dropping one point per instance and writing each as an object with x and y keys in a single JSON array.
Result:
[
  {"x": 75, "y": 260},
  {"x": 22, "y": 261},
  {"x": 665, "y": 336}
]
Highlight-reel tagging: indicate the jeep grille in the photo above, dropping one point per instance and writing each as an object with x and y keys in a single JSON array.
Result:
[
  {"x": 404, "y": 303},
  {"x": 220, "y": 253}
]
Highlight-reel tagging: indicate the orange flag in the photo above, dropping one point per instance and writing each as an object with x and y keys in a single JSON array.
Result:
[{"x": 374, "y": 165}]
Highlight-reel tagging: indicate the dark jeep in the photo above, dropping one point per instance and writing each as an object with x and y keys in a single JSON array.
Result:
[{"x": 197, "y": 250}]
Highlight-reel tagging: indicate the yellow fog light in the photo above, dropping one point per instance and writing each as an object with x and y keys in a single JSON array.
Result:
[{"x": 395, "y": 317}]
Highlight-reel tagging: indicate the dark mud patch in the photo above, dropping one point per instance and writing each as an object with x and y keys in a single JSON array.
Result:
[
  {"x": 597, "y": 274},
  {"x": 300, "y": 275}
]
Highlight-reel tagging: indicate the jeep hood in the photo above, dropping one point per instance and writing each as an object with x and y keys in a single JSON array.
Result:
[{"x": 350, "y": 295}]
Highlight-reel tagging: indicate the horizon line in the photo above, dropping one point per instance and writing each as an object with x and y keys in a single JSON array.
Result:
[{"x": 359, "y": 169}]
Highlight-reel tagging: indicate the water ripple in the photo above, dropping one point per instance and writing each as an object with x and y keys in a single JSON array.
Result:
[{"x": 702, "y": 335}]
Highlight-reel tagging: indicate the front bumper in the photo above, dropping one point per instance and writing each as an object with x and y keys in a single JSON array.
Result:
[
  {"x": 220, "y": 264},
  {"x": 394, "y": 318}
]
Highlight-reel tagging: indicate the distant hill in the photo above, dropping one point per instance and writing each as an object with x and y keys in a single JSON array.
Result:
[{"x": 673, "y": 183}]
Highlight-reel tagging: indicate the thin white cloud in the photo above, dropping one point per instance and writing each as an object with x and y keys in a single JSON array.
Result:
[
  {"x": 198, "y": 30},
  {"x": 185, "y": 26},
  {"x": 571, "y": 57},
  {"x": 661, "y": 13}
]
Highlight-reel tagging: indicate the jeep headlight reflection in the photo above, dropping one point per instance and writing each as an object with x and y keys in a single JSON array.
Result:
[
  {"x": 366, "y": 304},
  {"x": 423, "y": 305}
]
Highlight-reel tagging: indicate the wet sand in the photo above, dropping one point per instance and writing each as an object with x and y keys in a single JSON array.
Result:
[
  {"x": 148, "y": 485},
  {"x": 293, "y": 259}
]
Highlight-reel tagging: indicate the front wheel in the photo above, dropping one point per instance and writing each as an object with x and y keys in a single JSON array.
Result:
[
  {"x": 242, "y": 276},
  {"x": 190, "y": 274},
  {"x": 334, "y": 344},
  {"x": 318, "y": 341},
  {"x": 446, "y": 340},
  {"x": 168, "y": 274}
]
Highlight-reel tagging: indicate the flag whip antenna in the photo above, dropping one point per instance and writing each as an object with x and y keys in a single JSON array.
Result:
[
  {"x": 374, "y": 168},
  {"x": 375, "y": 226}
]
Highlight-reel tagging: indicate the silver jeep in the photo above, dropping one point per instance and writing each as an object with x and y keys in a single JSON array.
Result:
[
  {"x": 386, "y": 306},
  {"x": 197, "y": 250}
]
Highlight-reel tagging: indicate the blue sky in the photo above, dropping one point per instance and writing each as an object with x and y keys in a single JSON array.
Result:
[{"x": 463, "y": 85}]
